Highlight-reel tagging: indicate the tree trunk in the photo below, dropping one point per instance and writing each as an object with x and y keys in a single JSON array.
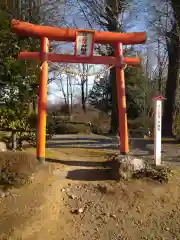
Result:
[
  {"x": 173, "y": 74},
  {"x": 113, "y": 11},
  {"x": 67, "y": 90},
  {"x": 83, "y": 99},
  {"x": 112, "y": 79}
]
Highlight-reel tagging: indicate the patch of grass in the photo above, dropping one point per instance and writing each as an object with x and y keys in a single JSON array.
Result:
[
  {"x": 63, "y": 127},
  {"x": 55, "y": 153},
  {"x": 16, "y": 168},
  {"x": 50, "y": 153},
  {"x": 4, "y": 135}
]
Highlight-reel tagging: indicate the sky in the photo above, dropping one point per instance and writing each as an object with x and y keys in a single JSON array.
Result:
[
  {"x": 135, "y": 20},
  {"x": 73, "y": 19}
]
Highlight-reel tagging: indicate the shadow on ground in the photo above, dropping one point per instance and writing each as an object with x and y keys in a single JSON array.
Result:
[
  {"x": 101, "y": 171},
  {"x": 80, "y": 163},
  {"x": 87, "y": 143},
  {"x": 95, "y": 171},
  {"x": 109, "y": 169},
  {"x": 144, "y": 145},
  {"x": 90, "y": 175}
]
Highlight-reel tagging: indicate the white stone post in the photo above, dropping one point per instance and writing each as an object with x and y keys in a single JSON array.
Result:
[{"x": 157, "y": 129}]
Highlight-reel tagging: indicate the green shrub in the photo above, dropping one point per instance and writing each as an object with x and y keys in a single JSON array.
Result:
[
  {"x": 96, "y": 128},
  {"x": 77, "y": 128},
  {"x": 3, "y": 135},
  {"x": 141, "y": 123},
  {"x": 100, "y": 123},
  {"x": 32, "y": 120},
  {"x": 16, "y": 168},
  {"x": 18, "y": 119},
  {"x": 51, "y": 125},
  {"x": 71, "y": 128},
  {"x": 64, "y": 109}
]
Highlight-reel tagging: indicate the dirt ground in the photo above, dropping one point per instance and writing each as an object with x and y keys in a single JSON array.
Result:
[{"x": 74, "y": 197}]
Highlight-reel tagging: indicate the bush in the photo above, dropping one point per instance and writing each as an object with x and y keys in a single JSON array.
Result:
[
  {"x": 95, "y": 128},
  {"x": 29, "y": 137},
  {"x": 159, "y": 173},
  {"x": 71, "y": 128},
  {"x": 16, "y": 168},
  {"x": 18, "y": 119},
  {"x": 79, "y": 122},
  {"x": 51, "y": 126},
  {"x": 32, "y": 120},
  {"x": 4, "y": 135},
  {"x": 64, "y": 109},
  {"x": 100, "y": 123},
  {"x": 141, "y": 123}
]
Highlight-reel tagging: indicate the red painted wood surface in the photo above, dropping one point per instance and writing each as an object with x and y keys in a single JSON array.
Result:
[
  {"x": 66, "y": 58},
  {"x": 69, "y": 34}
]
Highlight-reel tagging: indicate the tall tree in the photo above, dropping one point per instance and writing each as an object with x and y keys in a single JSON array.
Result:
[
  {"x": 113, "y": 10},
  {"x": 20, "y": 78},
  {"x": 173, "y": 48},
  {"x": 101, "y": 94},
  {"x": 106, "y": 14},
  {"x": 164, "y": 18}
]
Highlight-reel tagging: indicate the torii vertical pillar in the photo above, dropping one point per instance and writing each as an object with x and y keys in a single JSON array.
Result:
[
  {"x": 42, "y": 101},
  {"x": 121, "y": 97}
]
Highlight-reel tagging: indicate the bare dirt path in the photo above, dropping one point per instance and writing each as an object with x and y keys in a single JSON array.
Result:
[
  {"x": 38, "y": 210},
  {"x": 75, "y": 198}
]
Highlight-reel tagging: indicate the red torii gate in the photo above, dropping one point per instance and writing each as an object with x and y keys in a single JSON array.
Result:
[{"x": 84, "y": 44}]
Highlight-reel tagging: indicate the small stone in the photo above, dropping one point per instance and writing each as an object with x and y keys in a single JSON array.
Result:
[
  {"x": 105, "y": 220},
  {"x": 7, "y": 194},
  {"x": 80, "y": 210},
  {"x": 2, "y": 195},
  {"x": 121, "y": 210},
  {"x": 72, "y": 196},
  {"x": 113, "y": 216},
  {"x": 63, "y": 190},
  {"x": 3, "y": 147},
  {"x": 167, "y": 229},
  {"x": 139, "y": 222},
  {"x": 80, "y": 199},
  {"x": 74, "y": 211},
  {"x": 15, "y": 195},
  {"x": 31, "y": 178},
  {"x": 77, "y": 211},
  {"x": 138, "y": 209}
]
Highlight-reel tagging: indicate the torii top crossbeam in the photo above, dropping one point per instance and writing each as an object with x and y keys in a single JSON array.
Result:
[{"x": 69, "y": 34}]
